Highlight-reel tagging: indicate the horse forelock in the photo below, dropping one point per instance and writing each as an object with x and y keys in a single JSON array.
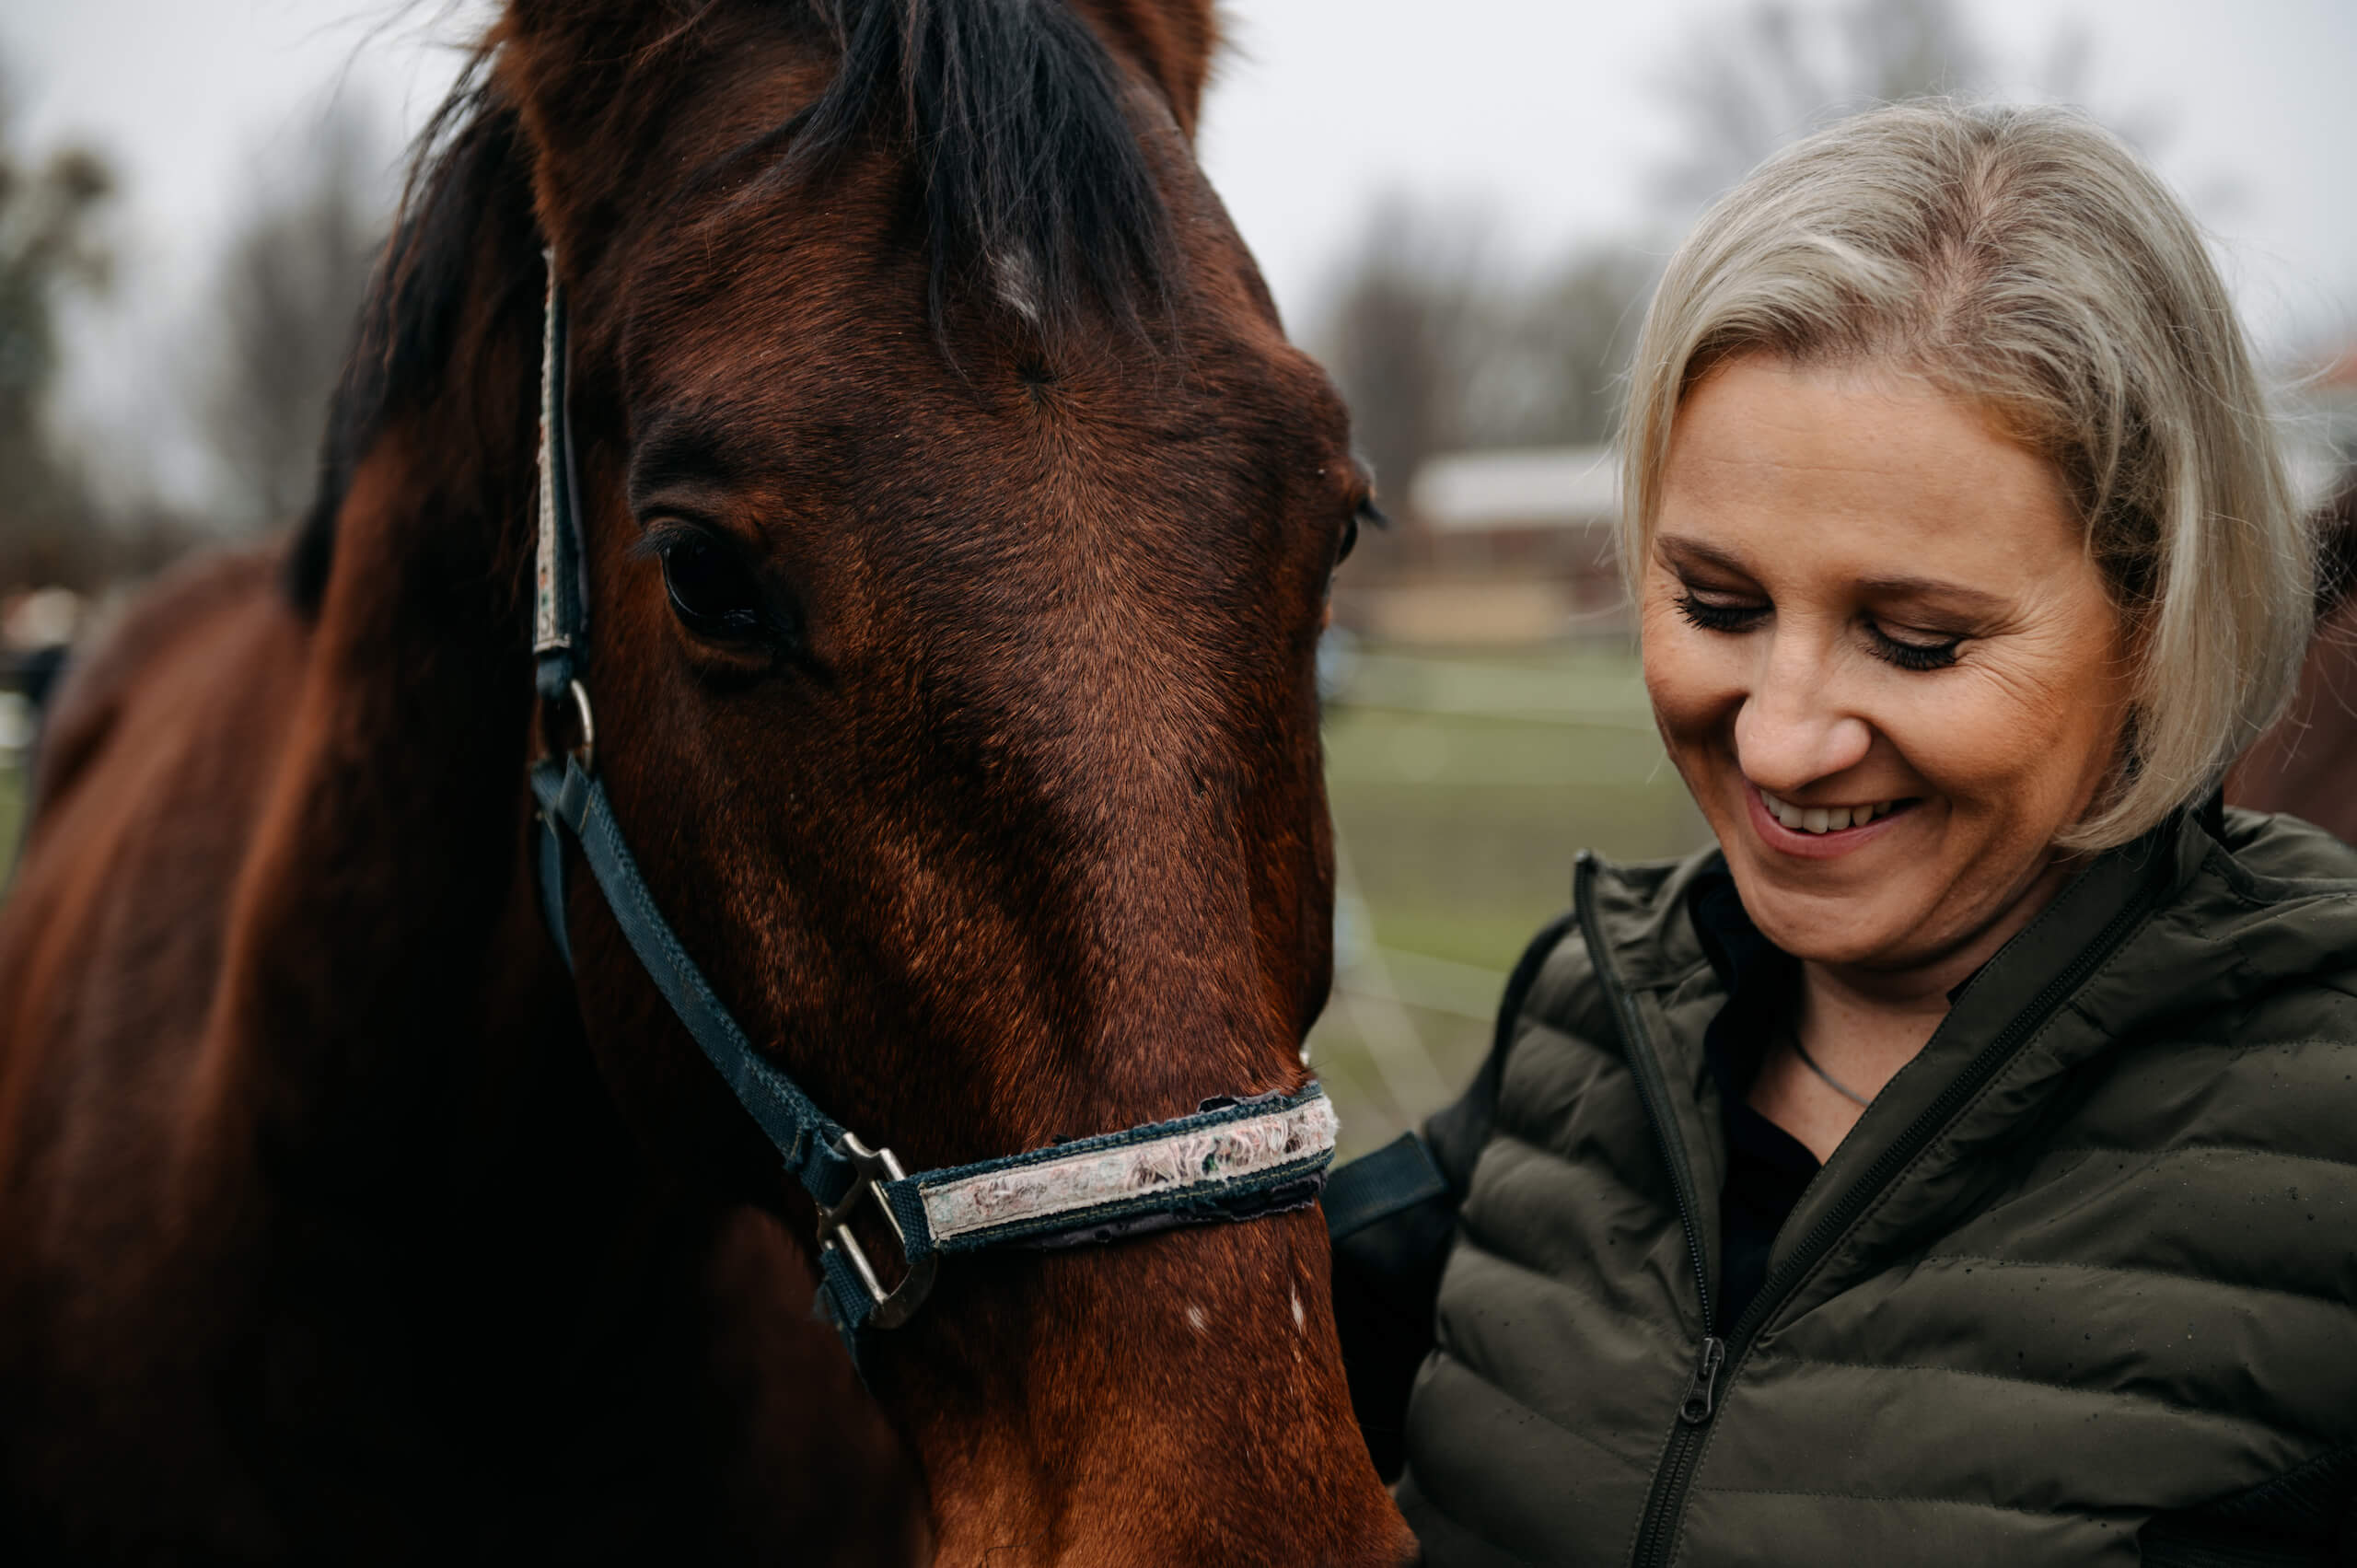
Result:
[
  {"x": 1015, "y": 121},
  {"x": 1012, "y": 120}
]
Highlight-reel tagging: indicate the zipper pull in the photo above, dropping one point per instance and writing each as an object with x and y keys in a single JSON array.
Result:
[{"x": 1703, "y": 1395}]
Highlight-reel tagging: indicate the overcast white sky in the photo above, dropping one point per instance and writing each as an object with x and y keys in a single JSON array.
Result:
[{"x": 1546, "y": 110}]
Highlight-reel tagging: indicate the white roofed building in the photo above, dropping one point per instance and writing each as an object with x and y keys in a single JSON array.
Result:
[{"x": 1498, "y": 547}]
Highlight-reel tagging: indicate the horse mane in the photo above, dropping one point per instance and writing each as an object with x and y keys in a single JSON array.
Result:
[
  {"x": 1035, "y": 189},
  {"x": 465, "y": 166}
]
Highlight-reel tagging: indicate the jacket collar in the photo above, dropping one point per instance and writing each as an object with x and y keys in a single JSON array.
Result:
[{"x": 2193, "y": 917}]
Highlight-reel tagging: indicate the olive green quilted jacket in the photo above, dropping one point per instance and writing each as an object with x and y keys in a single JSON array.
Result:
[{"x": 2080, "y": 1288}]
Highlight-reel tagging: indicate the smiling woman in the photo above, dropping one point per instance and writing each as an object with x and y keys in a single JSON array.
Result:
[
  {"x": 1988, "y": 1080},
  {"x": 1889, "y": 728}
]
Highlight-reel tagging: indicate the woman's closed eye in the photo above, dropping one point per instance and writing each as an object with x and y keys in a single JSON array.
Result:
[
  {"x": 1716, "y": 611},
  {"x": 1908, "y": 647},
  {"x": 1912, "y": 647}
]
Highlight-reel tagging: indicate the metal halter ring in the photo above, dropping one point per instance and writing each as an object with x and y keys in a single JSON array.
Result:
[
  {"x": 586, "y": 752},
  {"x": 895, "y": 1306}
]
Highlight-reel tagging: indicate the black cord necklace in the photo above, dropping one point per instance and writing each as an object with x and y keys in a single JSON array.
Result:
[{"x": 1844, "y": 1091}]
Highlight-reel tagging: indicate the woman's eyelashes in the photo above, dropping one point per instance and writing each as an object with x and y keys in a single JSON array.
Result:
[
  {"x": 1906, "y": 647},
  {"x": 1909, "y": 652},
  {"x": 1719, "y": 613}
]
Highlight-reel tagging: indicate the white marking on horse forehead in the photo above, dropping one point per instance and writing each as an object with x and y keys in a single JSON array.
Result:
[
  {"x": 1300, "y": 1321},
  {"x": 1197, "y": 1321},
  {"x": 1016, "y": 282}
]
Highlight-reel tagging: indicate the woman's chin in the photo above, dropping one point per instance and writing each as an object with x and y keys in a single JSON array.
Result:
[
  {"x": 1821, "y": 914},
  {"x": 1835, "y": 931}
]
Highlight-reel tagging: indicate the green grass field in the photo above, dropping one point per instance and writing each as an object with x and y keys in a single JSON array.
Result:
[{"x": 1462, "y": 786}]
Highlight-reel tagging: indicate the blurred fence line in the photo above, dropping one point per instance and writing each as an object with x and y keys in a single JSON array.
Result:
[{"x": 1462, "y": 781}]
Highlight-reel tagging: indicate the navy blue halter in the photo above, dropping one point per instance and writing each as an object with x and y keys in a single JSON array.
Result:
[{"x": 1233, "y": 1160}]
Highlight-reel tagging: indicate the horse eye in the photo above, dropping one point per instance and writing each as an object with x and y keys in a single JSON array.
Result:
[
  {"x": 711, "y": 592},
  {"x": 1365, "y": 512}
]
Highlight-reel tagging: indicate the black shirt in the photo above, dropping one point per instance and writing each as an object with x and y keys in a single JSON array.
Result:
[
  {"x": 1768, "y": 1169},
  {"x": 1387, "y": 1276}
]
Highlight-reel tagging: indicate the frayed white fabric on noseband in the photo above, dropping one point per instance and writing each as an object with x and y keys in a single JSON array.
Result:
[{"x": 1171, "y": 1166}]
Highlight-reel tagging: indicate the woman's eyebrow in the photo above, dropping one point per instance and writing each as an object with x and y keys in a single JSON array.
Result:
[
  {"x": 1954, "y": 594},
  {"x": 1707, "y": 554}
]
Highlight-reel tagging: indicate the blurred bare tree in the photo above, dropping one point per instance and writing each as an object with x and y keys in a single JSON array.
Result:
[
  {"x": 1404, "y": 335},
  {"x": 1550, "y": 356},
  {"x": 287, "y": 296},
  {"x": 50, "y": 249},
  {"x": 1437, "y": 346},
  {"x": 1747, "y": 84}
]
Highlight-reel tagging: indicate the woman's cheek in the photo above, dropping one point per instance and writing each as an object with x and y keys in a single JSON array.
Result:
[
  {"x": 1976, "y": 741},
  {"x": 1690, "y": 681}
]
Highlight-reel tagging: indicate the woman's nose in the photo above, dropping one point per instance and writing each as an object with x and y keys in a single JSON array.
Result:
[{"x": 1792, "y": 728}]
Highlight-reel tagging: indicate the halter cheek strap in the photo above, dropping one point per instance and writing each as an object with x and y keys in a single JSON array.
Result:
[
  {"x": 1233, "y": 1160},
  {"x": 560, "y": 579}
]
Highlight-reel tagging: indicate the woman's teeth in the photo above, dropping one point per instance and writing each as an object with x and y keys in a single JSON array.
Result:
[{"x": 1824, "y": 819}]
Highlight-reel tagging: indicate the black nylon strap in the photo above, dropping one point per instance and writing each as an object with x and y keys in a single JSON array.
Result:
[
  {"x": 1374, "y": 1187},
  {"x": 574, "y": 805},
  {"x": 803, "y": 1133},
  {"x": 550, "y": 861},
  {"x": 830, "y": 1165}
]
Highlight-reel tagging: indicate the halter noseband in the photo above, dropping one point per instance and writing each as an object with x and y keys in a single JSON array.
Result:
[{"x": 1233, "y": 1160}]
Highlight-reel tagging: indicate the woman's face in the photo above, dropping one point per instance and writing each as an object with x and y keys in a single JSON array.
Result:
[{"x": 1881, "y": 657}]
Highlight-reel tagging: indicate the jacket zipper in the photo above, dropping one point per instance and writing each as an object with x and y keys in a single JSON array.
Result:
[
  {"x": 1652, "y": 1091},
  {"x": 1666, "y": 1502}
]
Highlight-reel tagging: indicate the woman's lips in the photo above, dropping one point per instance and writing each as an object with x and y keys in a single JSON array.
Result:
[{"x": 1817, "y": 846}]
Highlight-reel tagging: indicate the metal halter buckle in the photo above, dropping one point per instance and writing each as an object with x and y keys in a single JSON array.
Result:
[
  {"x": 895, "y": 1306},
  {"x": 587, "y": 750}
]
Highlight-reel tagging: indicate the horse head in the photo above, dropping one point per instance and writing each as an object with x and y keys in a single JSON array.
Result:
[{"x": 956, "y": 525}]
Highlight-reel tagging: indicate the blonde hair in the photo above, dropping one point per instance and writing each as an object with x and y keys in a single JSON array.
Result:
[{"x": 2026, "y": 260}]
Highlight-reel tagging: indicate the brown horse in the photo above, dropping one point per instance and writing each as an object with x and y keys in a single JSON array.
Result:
[
  {"x": 957, "y": 525},
  {"x": 2307, "y": 763}
]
